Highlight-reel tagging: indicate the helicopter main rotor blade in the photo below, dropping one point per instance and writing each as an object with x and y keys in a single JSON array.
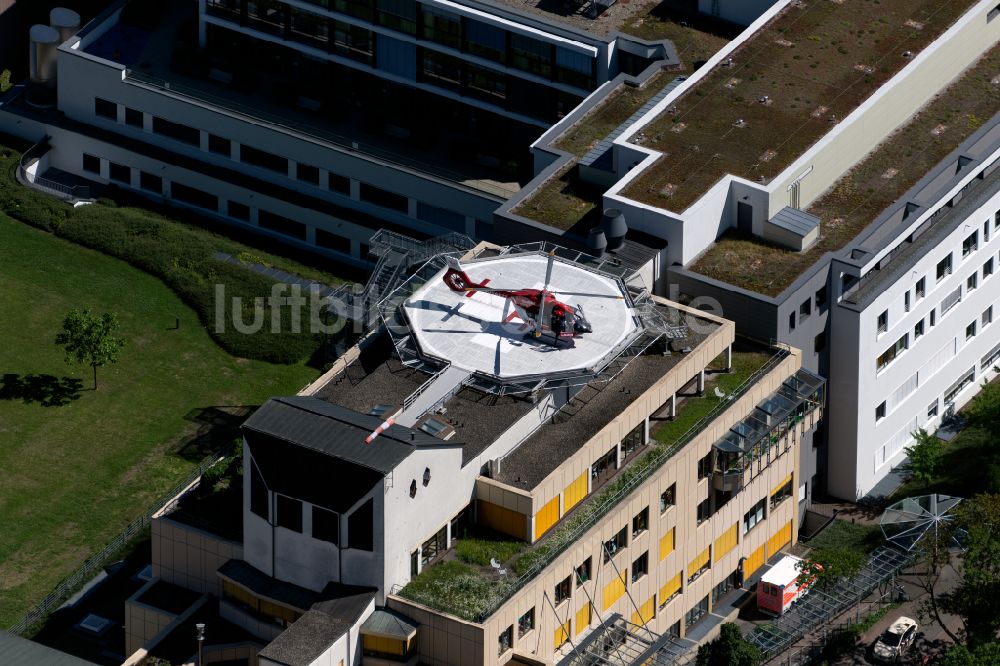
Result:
[
  {"x": 584, "y": 293},
  {"x": 548, "y": 270}
]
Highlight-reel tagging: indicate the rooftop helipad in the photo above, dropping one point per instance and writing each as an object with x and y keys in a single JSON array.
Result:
[{"x": 470, "y": 333}]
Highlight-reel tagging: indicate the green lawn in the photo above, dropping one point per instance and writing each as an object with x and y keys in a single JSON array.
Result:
[
  {"x": 75, "y": 474},
  {"x": 858, "y": 537}
]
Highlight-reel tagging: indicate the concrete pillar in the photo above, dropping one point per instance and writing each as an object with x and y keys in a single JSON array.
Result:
[
  {"x": 673, "y": 406},
  {"x": 729, "y": 358},
  {"x": 701, "y": 381}
]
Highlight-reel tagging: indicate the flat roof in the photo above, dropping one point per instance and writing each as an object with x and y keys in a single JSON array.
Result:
[
  {"x": 471, "y": 330},
  {"x": 807, "y": 68},
  {"x": 886, "y": 175},
  {"x": 17, "y": 651},
  {"x": 783, "y": 572}
]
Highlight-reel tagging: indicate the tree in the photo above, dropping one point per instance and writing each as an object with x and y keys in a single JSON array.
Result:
[
  {"x": 830, "y": 566},
  {"x": 729, "y": 649},
  {"x": 987, "y": 654},
  {"x": 925, "y": 456},
  {"x": 976, "y": 599},
  {"x": 984, "y": 410},
  {"x": 90, "y": 339},
  {"x": 5, "y": 83}
]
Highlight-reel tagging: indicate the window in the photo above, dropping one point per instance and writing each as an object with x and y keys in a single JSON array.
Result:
[
  {"x": 434, "y": 547},
  {"x": 920, "y": 289},
  {"x": 526, "y": 623},
  {"x": 956, "y": 388},
  {"x": 640, "y": 523},
  {"x": 700, "y": 564},
  {"x": 307, "y": 174},
  {"x": 971, "y": 282},
  {"x": 263, "y": 159},
  {"x": 133, "y": 117},
  {"x": 530, "y": 55},
  {"x": 988, "y": 268},
  {"x": 119, "y": 173},
  {"x": 970, "y": 244},
  {"x": 722, "y": 589},
  {"x": 906, "y": 301},
  {"x": 633, "y": 441},
  {"x": 890, "y": 354},
  {"x": 697, "y": 612},
  {"x": 399, "y": 15},
  {"x": 986, "y": 231},
  {"x": 506, "y": 640},
  {"x": 791, "y": 321},
  {"x": 805, "y": 309},
  {"x": 414, "y": 566},
  {"x": 562, "y": 590},
  {"x": 944, "y": 268},
  {"x": 989, "y": 359},
  {"x": 918, "y": 329},
  {"x": 880, "y": 411},
  {"x": 413, "y": 488},
  {"x": 289, "y": 513},
  {"x": 360, "y": 527},
  {"x": 883, "y": 323},
  {"x": 819, "y": 342},
  {"x": 614, "y": 544},
  {"x": 932, "y": 409},
  {"x": 219, "y": 145},
  {"x": 280, "y": 224},
  {"x": 239, "y": 211},
  {"x": 640, "y": 567},
  {"x": 258, "y": 492},
  {"x": 194, "y": 197},
  {"x": 105, "y": 109},
  {"x": 754, "y": 516},
  {"x": 336, "y": 183},
  {"x": 385, "y": 199},
  {"x": 176, "y": 131},
  {"x": 821, "y": 298},
  {"x": 91, "y": 164},
  {"x": 441, "y": 27},
  {"x": 583, "y": 572},
  {"x": 705, "y": 466},
  {"x": 325, "y": 525},
  {"x": 987, "y": 317},
  {"x": 933, "y": 318},
  {"x": 441, "y": 69},
  {"x": 668, "y": 497},
  {"x": 337, "y": 243},
  {"x": 486, "y": 84},
  {"x": 152, "y": 183},
  {"x": 970, "y": 331},
  {"x": 781, "y": 493},
  {"x": 704, "y": 511}
]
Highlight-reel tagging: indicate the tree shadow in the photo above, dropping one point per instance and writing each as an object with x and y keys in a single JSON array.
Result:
[
  {"x": 218, "y": 429},
  {"x": 46, "y": 390}
]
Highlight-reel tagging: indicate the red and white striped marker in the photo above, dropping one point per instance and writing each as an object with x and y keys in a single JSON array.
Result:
[{"x": 379, "y": 430}]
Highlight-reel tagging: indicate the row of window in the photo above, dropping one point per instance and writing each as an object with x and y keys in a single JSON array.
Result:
[
  {"x": 305, "y": 173},
  {"x": 950, "y": 300},
  {"x": 432, "y": 24},
  {"x": 806, "y": 308},
  {"x": 943, "y": 269}
]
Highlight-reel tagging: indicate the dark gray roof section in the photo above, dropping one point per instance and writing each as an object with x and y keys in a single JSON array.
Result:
[
  {"x": 388, "y": 623},
  {"x": 262, "y": 585},
  {"x": 345, "y": 602},
  {"x": 17, "y": 651},
  {"x": 335, "y": 431},
  {"x": 308, "y": 638},
  {"x": 794, "y": 220},
  {"x": 604, "y": 145}
]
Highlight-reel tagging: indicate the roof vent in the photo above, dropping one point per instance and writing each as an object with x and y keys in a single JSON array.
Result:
[
  {"x": 597, "y": 242},
  {"x": 614, "y": 227}
]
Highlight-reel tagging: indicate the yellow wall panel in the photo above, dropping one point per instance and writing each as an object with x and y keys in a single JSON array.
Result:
[
  {"x": 547, "y": 517},
  {"x": 754, "y": 562},
  {"x": 646, "y": 612},
  {"x": 614, "y": 590},
  {"x": 583, "y": 619},
  {"x": 562, "y": 634},
  {"x": 672, "y": 587},
  {"x": 698, "y": 562},
  {"x": 502, "y": 519},
  {"x": 667, "y": 543},
  {"x": 575, "y": 492},
  {"x": 780, "y": 539},
  {"x": 787, "y": 479},
  {"x": 726, "y": 542}
]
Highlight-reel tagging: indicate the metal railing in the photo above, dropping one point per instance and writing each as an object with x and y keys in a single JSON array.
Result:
[
  {"x": 59, "y": 189},
  {"x": 97, "y": 561}
]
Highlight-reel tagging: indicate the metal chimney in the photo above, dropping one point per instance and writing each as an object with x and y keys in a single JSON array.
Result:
[
  {"x": 597, "y": 243},
  {"x": 614, "y": 227}
]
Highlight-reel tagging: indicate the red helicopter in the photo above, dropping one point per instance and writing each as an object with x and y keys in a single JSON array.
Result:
[{"x": 540, "y": 310}]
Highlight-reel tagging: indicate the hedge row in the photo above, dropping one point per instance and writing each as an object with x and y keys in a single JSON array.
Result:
[{"x": 183, "y": 257}]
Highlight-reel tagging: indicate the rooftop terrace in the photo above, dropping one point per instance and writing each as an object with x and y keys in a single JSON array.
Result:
[
  {"x": 474, "y": 593},
  {"x": 809, "y": 67},
  {"x": 875, "y": 183},
  {"x": 590, "y": 16}
]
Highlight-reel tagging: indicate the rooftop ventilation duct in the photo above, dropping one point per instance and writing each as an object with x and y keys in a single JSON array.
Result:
[
  {"x": 44, "y": 41},
  {"x": 614, "y": 227},
  {"x": 65, "y": 21},
  {"x": 597, "y": 242}
]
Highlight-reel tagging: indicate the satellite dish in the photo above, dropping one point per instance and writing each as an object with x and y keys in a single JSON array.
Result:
[{"x": 907, "y": 521}]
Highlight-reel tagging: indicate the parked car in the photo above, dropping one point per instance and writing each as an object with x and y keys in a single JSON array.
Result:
[{"x": 895, "y": 640}]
